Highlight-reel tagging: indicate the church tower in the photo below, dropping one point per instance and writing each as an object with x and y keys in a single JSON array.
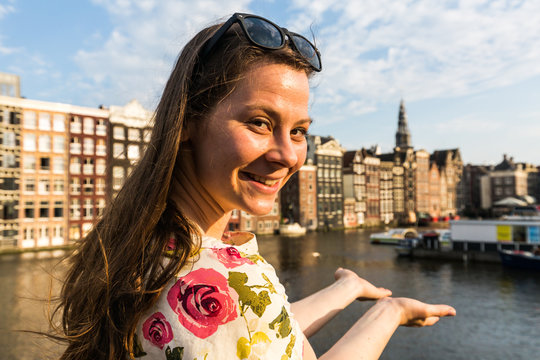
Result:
[{"x": 403, "y": 136}]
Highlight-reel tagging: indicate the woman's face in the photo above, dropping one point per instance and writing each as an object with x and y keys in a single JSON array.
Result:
[{"x": 254, "y": 140}]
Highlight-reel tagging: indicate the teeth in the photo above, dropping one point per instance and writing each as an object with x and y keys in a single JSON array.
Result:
[{"x": 263, "y": 180}]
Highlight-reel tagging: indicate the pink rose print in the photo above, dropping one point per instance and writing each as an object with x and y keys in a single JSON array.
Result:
[
  {"x": 203, "y": 301},
  {"x": 230, "y": 257},
  {"x": 157, "y": 330}
]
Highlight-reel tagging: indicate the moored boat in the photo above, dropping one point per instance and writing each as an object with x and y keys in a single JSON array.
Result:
[
  {"x": 292, "y": 230},
  {"x": 520, "y": 259},
  {"x": 393, "y": 236}
]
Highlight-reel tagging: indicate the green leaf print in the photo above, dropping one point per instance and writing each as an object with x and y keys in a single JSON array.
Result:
[
  {"x": 290, "y": 346},
  {"x": 283, "y": 321},
  {"x": 247, "y": 297},
  {"x": 176, "y": 354}
]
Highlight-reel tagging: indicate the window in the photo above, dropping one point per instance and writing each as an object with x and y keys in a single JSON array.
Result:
[
  {"x": 100, "y": 206},
  {"x": 75, "y": 165},
  {"x": 75, "y": 186},
  {"x": 101, "y": 148},
  {"x": 100, "y": 186},
  {"x": 44, "y": 121},
  {"x": 75, "y": 125},
  {"x": 9, "y": 139},
  {"x": 88, "y": 186},
  {"x": 43, "y": 186},
  {"x": 44, "y": 143},
  {"x": 29, "y": 120},
  {"x": 9, "y": 161},
  {"x": 88, "y": 146},
  {"x": 134, "y": 135},
  {"x": 88, "y": 167},
  {"x": 88, "y": 125},
  {"x": 118, "y": 133},
  {"x": 133, "y": 152},
  {"x": 75, "y": 145},
  {"x": 58, "y": 144},
  {"x": 29, "y": 211},
  {"x": 30, "y": 185},
  {"x": 58, "y": 186},
  {"x": 58, "y": 210},
  {"x": 101, "y": 127},
  {"x": 29, "y": 142},
  {"x": 75, "y": 209},
  {"x": 59, "y": 122},
  {"x": 44, "y": 209},
  {"x": 118, "y": 150},
  {"x": 88, "y": 209},
  {"x": 101, "y": 167},
  {"x": 44, "y": 163},
  {"x": 58, "y": 165},
  {"x": 118, "y": 177}
]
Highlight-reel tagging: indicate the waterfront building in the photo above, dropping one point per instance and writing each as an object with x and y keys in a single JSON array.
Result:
[
  {"x": 130, "y": 130},
  {"x": 87, "y": 169},
  {"x": 361, "y": 181},
  {"x": 10, "y": 157},
  {"x": 260, "y": 225},
  {"x": 472, "y": 191},
  {"x": 434, "y": 191},
  {"x": 450, "y": 169},
  {"x": 327, "y": 154},
  {"x": 421, "y": 179},
  {"x": 508, "y": 179},
  {"x": 403, "y": 135},
  {"x": 299, "y": 197},
  {"x": 386, "y": 191}
]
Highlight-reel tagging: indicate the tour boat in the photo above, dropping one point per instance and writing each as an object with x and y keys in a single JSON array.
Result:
[{"x": 393, "y": 236}]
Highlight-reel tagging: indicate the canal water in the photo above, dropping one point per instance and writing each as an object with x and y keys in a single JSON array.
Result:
[{"x": 498, "y": 309}]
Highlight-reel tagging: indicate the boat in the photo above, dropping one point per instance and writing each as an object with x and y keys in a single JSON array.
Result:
[
  {"x": 294, "y": 229},
  {"x": 520, "y": 259},
  {"x": 405, "y": 246},
  {"x": 393, "y": 236}
]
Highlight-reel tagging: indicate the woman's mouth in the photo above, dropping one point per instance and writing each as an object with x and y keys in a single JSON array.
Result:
[{"x": 262, "y": 180}]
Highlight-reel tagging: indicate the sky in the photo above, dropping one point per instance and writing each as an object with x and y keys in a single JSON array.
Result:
[{"x": 468, "y": 71}]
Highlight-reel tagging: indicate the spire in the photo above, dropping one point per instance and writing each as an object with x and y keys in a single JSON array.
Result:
[{"x": 403, "y": 136}]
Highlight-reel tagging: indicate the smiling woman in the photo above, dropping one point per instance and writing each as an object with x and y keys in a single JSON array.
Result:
[{"x": 158, "y": 276}]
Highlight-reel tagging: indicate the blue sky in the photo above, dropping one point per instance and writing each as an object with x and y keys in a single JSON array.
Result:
[{"x": 469, "y": 71}]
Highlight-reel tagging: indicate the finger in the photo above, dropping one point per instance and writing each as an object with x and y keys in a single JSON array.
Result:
[{"x": 440, "y": 310}]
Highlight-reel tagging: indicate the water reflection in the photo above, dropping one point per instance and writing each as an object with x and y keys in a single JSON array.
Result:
[{"x": 498, "y": 309}]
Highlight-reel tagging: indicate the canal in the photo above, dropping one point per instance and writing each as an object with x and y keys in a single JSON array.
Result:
[{"x": 498, "y": 309}]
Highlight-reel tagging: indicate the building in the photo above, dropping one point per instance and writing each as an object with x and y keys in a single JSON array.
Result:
[
  {"x": 130, "y": 130},
  {"x": 421, "y": 180},
  {"x": 88, "y": 139},
  {"x": 450, "y": 169},
  {"x": 10, "y": 172},
  {"x": 327, "y": 154},
  {"x": 299, "y": 197}
]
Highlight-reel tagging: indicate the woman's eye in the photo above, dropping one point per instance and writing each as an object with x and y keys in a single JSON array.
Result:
[
  {"x": 299, "y": 132},
  {"x": 261, "y": 124}
]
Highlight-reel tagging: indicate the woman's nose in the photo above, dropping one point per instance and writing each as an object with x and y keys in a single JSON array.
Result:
[{"x": 284, "y": 151}]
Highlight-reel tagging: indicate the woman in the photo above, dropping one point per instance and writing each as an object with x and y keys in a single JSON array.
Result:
[{"x": 158, "y": 278}]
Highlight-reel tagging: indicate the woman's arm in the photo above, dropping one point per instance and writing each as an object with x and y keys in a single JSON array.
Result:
[
  {"x": 316, "y": 310},
  {"x": 370, "y": 334}
]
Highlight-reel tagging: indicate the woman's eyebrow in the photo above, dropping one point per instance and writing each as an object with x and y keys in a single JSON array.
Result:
[{"x": 275, "y": 114}]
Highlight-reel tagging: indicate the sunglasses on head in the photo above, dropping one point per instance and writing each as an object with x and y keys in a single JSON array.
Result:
[{"x": 267, "y": 35}]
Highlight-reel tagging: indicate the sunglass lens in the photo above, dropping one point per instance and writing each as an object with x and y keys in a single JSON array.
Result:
[
  {"x": 263, "y": 33},
  {"x": 307, "y": 50}
]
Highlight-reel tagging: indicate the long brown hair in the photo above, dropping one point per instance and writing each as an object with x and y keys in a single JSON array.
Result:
[{"x": 117, "y": 272}]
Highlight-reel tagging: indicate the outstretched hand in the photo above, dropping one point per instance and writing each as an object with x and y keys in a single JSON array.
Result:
[
  {"x": 364, "y": 289},
  {"x": 416, "y": 313}
]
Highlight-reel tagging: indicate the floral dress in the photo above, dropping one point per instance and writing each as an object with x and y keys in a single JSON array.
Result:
[{"x": 226, "y": 304}]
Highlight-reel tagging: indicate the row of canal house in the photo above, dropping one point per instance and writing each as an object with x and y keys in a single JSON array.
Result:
[{"x": 60, "y": 165}]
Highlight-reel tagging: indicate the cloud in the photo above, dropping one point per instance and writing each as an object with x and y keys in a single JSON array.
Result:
[
  {"x": 471, "y": 124},
  {"x": 135, "y": 58},
  {"x": 6, "y": 8},
  {"x": 378, "y": 50}
]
